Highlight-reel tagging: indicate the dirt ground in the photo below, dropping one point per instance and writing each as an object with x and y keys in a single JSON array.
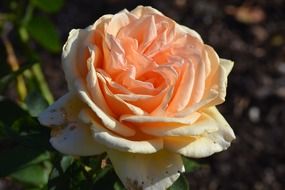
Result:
[{"x": 252, "y": 33}]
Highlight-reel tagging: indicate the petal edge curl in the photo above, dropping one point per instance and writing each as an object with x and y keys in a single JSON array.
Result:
[{"x": 204, "y": 145}]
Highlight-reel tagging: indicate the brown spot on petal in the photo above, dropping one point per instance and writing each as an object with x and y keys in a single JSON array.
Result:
[
  {"x": 72, "y": 126},
  {"x": 133, "y": 184},
  {"x": 52, "y": 110}
]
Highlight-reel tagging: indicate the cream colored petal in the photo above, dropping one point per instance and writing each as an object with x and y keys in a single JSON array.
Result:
[
  {"x": 209, "y": 100},
  {"x": 227, "y": 65},
  {"x": 147, "y": 171},
  {"x": 199, "y": 126},
  {"x": 113, "y": 141},
  {"x": 206, "y": 144},
  {"x": 75, "y": 139},
  {"x": 219, "y": 77},
  {"x": 152, "y": 120},
  {"x": 72, "y": 54},
  {"x": 62, "y": 111},
  {"x": 107, "y": 120},
  {"x": 125, "y": 145}
]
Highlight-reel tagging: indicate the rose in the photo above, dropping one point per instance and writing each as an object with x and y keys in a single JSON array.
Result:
[{"x": 143, "y": 89}]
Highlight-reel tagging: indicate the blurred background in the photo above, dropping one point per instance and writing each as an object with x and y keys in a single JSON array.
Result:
[{"x": 249, "y": 32}]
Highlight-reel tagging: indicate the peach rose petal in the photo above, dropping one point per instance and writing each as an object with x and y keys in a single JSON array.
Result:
[
  {"x": 147, "y": 171},
  {"x": 107, "y": 120},
  {"x": 215, "y": 94},
  {"x": 114, "y": 141},
  {"x": 181, "y": 30},
  {"x": 120, "y": 106},
  {"x": 200, "y": 126},
  {"x": 140, "y": 11},
  {"x": 205, "y": 144},
  {"x": 152, "y": 121},
  {"x": 92, "y": 83},
  {"x": 118, "y": 21},
  {"x": 184, "y": 91}
]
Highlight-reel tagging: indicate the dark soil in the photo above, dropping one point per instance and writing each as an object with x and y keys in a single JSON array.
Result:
[{"x": 250, "y": 32}]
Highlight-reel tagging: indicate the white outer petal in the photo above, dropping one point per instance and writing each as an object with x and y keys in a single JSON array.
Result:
[
  {"x": 125, "y": 145},
  {"x": 207, "y": 144},
  {"x": 72, "y": 53},
  {"x": 75, "y": 139},
  {"x": 147, "y": 171},
  {"x": 64, "y": 110}
]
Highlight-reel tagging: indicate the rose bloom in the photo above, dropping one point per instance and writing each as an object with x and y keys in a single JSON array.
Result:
[{"x": 143, "y": 89}]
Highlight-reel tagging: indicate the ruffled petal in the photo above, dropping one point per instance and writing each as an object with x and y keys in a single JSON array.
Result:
[
  {"x": 153, "y": 121},
  {"x": 140, "y": 11},
  {"x": 215, "y": 91},
  {"x": 206, "y": 144},
  {"x": 114, "y": 141},
  {"x": 147, "y": 171},
  {"x": 200, "y": 125},
  {"x": 107, "y": 120}
]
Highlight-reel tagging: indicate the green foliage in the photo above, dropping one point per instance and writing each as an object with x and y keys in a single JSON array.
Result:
[
  {"x": 26, "y": 156},
  {"x": 190, "y": 164},
  {"x": 10, "y": 111},
  {"x": 48, "y": 5},
  {"x": 44, "y": 32},
  {"x": 180, "y": 184}
]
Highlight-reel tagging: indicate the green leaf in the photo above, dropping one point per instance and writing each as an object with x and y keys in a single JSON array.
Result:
[
  {"x": 4, "y": 68},
  {"x": 10, "y": 111},
  {"x": 180, "y": 184},
  {"x": 72, "y": 178},
  {"x": 6, "y": 79},
  {"x": 48, "y": 5},
  {"x": 106, "y": 178},
  {"x": 102, "y": 173},
  {"x": 42, "y": 83},
  {"x": 36, "y": 103},
  {"x": 190, "y": 165},
  {"x": 119, "y": 186},
  {"x": 17, "y": 153},
  {"x": 66, "y": 162},
  {"x": 25, "y": 125},
  {"x": 45, "y": 33},
  {"x": 34, "y": 175}
]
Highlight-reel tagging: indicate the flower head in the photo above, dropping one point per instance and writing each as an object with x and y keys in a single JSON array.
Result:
[{"x": 143, "y": 89}]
